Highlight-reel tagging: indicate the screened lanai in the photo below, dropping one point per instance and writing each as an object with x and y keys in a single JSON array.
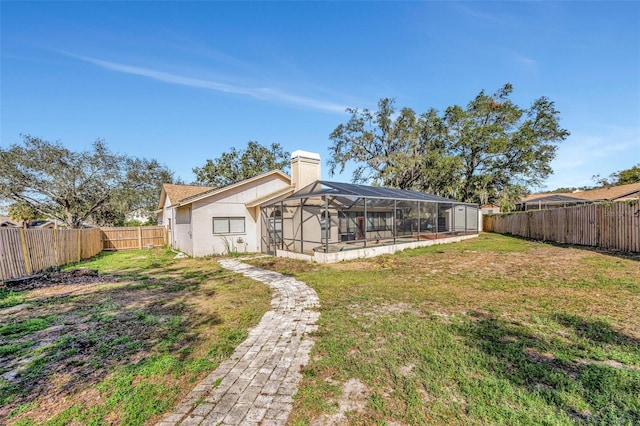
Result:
[{"x": 329, "y": 217}]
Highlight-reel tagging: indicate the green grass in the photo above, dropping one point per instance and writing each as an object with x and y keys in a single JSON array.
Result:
[
  {"x": 9, "y": 298},
  {"x": 138, "y": 344},
  {"x": 20, "y": 328},
  {"x": 494, "y": 330}
]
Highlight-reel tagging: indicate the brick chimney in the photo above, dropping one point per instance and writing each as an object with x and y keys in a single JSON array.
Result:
[{"x": 305, "y": 168}]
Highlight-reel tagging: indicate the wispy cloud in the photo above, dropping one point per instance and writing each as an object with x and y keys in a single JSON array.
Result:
[
  {"x": 483, "y": 16},
  {"x": 526, "y": 62},
  {"x": 262, "y": 93}
]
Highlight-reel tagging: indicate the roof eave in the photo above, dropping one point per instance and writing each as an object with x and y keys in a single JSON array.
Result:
[{"x": 217, "y": 191}]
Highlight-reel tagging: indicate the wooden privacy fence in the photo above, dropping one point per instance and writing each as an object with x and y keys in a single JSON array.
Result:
[
  {"x": 24, "y": 252},
  {"x": 608, "y": 225},
  {"x": 129, "y": 238}
]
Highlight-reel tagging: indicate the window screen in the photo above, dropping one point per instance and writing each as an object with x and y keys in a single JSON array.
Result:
[
  {"x": 228, "y": 225},
  {"x": 236, "y": 224}
]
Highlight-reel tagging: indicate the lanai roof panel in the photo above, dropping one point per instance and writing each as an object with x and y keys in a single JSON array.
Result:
[{"x": 320, "y": 188}]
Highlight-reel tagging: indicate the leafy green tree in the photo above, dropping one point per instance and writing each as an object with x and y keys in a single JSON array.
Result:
[
  {"x": 22, "y": 213},
  {"x": 489, "y": 151},
  {"x": 621, "y": 177},
  {"x": 74, "y": 187},
  {"x": 237, "y": 164},
  {"x": 627, "y": 176}
]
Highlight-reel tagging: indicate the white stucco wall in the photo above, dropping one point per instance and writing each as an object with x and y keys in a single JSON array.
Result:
[{"x": 231, "y": 203}]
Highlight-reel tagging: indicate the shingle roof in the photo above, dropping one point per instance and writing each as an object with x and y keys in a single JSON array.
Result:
[
  {"x": 177, "y": 193},
  {"x": 611, "y": 193}
]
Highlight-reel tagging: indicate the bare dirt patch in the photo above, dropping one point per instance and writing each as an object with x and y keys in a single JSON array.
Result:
[
  {"x": 353, "y": 399},
  {"x": 283, "y": 265},
  {"x": 81, "y": 276}
]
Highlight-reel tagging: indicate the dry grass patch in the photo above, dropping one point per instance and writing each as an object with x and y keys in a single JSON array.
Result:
[
  {"x": 496, "y": 330},
  {"x": 125, "y": 349}
]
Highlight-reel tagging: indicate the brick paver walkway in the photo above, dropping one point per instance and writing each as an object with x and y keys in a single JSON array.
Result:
[{"x": 256, "y": 385}]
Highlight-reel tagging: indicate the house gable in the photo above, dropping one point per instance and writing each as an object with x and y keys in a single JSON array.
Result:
[
  {"x": 176, "y": 193},
  {"x": 191, "y": 211},
  {"x": 250, "y": 188}
]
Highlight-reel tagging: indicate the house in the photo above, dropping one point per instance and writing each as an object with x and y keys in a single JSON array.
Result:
[
  {"x": 549, "y": 201},
  {"x": 306, "y": 217},
  {"x": 611, "y": 193},
  {"x": 42, "y": 224},
  {"x": 205, "y": 220},
  {"x": 6, "y": 222},
  {"x": 490, "y": 208}
]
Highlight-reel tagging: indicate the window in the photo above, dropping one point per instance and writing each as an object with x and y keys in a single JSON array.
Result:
[
  {"x": 228, "y": 225},
  {"x": 183, "y": 215}
]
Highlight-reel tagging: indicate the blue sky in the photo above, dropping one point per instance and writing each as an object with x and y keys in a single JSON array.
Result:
[{"x": 185, "y": 81}]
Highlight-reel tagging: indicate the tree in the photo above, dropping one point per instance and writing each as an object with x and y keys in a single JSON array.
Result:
[
  {"x": 74, "y": 187},
  {"x": 621, "y": 177},
  {"x": 237, "y": 164},
  {"x": 627, "y": 176},
  {"x": 23, "y": 213},
  {"x": 490, "y": 151}
]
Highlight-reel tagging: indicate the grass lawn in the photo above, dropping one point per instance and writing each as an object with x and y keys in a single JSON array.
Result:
[
  {"x": 494, "y": 330},
  {"x": 121, "y": 351}
]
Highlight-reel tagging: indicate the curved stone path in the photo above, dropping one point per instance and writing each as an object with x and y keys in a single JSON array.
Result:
[{"x": 257, "y": 383}]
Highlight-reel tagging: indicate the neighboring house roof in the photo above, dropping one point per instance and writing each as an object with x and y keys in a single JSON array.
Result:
[
  {"x": 6, "y": 222},
  {"x": 553, "y": 199},
  {"x": 177, "y": 193},
  {"x": 612, "y": 193},
  {"x": 42, "y": 224},
  {"x": 216, "y": 191}
]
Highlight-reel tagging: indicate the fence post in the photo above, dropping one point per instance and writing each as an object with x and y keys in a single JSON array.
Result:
[
  {"x": 79, "y": 231},
  {"x": 55, "y": 246},
  {"x": 25, "y": 252},
  {"x": 139, "y": 238}
]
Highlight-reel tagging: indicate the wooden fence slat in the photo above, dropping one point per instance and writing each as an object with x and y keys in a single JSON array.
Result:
[
  {"x": 23, "y": 252},
  {"x": 128, "y": 238},
  {"x": 27, "y": 251},
  {"x": 608, "y": 225}
]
